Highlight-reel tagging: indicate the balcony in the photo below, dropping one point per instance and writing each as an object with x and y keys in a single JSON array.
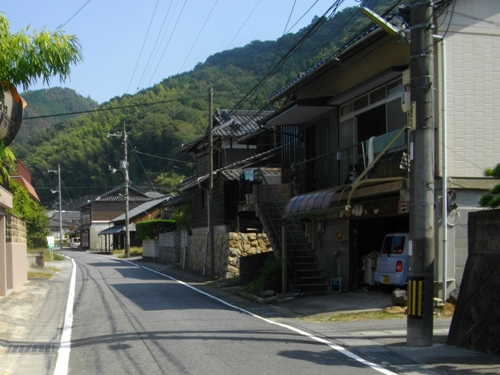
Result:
[{"x": 343, "y": 166}]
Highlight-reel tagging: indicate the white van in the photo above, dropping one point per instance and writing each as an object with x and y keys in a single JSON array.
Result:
[
  {"x": 74, "y": 243},
  {"x": 392, "y": 263}
]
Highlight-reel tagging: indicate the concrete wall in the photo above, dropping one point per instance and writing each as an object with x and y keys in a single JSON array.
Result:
[
  {"x": 150, "y": 249},
  {"x": 17, "y": 265},
  {"x": 476, "y": 321},
  {"x": 169, "y": 248}
]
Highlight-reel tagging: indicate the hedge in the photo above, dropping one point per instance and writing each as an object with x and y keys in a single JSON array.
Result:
[{"x": 149, "y": 230}]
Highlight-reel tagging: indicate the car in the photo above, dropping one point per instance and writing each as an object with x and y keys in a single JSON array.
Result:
[
  {"x": 74, "y": 243},
  {"x": 392, "y": 265}
]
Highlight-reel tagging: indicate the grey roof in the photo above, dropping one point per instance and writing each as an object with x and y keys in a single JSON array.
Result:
[
  {"x": 227, "y": 123},
  {"x": 246, "y": 163},
  {"x": 142, "y": 208}
]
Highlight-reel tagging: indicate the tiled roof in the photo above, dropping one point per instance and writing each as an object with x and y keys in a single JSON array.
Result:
[
  {"x": 229, "y": 123},
  {"x": 142, "y": 208},
  {"x": 240, "y": 165}
]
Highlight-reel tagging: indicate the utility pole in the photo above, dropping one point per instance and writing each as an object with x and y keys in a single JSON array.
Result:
[
  {"x": 211, "y": 184},
  {"x": 58, "y": 172},
  {"x": 127, "y": 228},
  {"x": 124, "y": 168},
  {"x": 421, "y": 274}
]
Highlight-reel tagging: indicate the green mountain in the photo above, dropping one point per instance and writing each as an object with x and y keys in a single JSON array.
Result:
[
  {"x": 158, "y": 120},
  {"x": 41, "y": 103}
]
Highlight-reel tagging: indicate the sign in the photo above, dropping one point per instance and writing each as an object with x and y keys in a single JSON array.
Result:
[{"x": 50, "y": 240}]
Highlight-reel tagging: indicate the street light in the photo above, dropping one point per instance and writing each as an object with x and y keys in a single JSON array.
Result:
[
  {"x": 58, "y": 172},
  {"x": 124, "y": 167}
]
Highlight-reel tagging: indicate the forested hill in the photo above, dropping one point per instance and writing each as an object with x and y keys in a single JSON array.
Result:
[
  {"x": 160, "y": 119},
  {"x": 41, "y": 103}
]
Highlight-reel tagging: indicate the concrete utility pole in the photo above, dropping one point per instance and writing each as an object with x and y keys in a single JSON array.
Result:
[
  {"x": 58, "y": 172},
  {"x": 127, "y": 228},
  {"x": 421, "y": 275},
  {"x": 124, "y": 168},
  {"x": 211, "y": 184}
]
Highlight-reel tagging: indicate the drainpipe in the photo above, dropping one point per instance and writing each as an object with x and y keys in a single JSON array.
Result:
[{"x": 444, "y": 184}]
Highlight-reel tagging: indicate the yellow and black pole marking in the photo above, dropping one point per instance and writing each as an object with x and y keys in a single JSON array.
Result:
[{"x": 415, "y": 298}]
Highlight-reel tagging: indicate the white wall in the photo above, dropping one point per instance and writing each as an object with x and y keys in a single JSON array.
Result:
[{"x": 472, "y": 86}]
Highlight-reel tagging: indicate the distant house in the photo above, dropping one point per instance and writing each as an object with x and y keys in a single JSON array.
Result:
[
  {"x": 98, "y": 212},
  {"x": 23, "y": 177},
  {"x": 114, "y": 236},
  {"x": 70, "y": 222}
]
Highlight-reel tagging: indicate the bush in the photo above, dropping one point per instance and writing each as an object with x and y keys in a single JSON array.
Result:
[
  {"x": 151, "y": 229},
  {"x": 269, "y": 277}
]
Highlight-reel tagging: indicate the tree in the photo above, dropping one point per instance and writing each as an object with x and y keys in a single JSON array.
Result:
[
  {"x": 29, "y": 210},
  {"x": 492, "y": 198},
  {"x": 26, "y": 58}
]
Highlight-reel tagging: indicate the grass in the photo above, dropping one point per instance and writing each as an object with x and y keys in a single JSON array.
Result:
[
  {"x": 393, "y": 312},
  {"x": 134, "y": 252}
]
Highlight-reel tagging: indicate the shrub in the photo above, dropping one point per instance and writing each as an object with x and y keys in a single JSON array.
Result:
[{"x": 149, "y": 230}]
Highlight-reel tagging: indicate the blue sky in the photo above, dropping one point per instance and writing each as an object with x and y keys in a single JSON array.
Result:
[{"x": 130, "y": 45}]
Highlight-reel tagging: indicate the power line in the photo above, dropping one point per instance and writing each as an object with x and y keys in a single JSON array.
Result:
[
  {"x": 198, "y": 36},
  {"x": 143, "y": 44},
  {"x": 78, "y": 11},
  {"x": 153, "y": 50},
  {"x": 113, "y": 108}
]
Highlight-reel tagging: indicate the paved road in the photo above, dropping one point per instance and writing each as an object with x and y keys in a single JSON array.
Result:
[{"x": 130, "y": 320}]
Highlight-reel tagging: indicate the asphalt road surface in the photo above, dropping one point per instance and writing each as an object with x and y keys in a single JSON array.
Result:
[{"x": 126, "y": 319}]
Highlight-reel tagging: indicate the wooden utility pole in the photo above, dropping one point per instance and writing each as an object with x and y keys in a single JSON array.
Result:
[{"x": 421, "y": 274}]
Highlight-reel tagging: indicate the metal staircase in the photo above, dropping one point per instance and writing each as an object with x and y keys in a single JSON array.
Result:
[{"x": 304, "y": 274}]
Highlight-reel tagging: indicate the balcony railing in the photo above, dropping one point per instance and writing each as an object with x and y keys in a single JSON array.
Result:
[{"x": 345, "y": 165}]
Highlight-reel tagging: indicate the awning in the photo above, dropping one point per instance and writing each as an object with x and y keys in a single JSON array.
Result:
[
  {"x": 111, "y": 230},
  {"x": 299, "y": 112},
  {"x": 311, "y": 202}
]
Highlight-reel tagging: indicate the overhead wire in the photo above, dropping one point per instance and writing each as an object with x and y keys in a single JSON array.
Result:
[
  {"x": 73, "y": 16},
  {"x": 153, "y": 50},
  {"x": 290, "y": 53},
  {"x": 243, "y": 24},
  {"x": 198, "y": 36},
  {"x": 165, "y": 49},
  {"x": 143, "y": 44}
]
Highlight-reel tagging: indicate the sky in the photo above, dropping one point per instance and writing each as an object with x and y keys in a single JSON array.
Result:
[{"x": 130, "y": 45}]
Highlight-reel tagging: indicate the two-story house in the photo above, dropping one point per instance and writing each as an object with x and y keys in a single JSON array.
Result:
[
  {"x": 349, "y": 161},
  {"x": 98, "y": 212},
  {"x": 240, "y": 150}
]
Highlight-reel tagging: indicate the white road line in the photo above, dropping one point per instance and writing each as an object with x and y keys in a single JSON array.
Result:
[
  {"x": 336, "y": 347},
  {"x": 65, "y": 345}
]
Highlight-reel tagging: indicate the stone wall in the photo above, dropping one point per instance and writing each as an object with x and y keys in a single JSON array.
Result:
[
  {"x": 229, "y": 248},
  {"x": 16, "y": 230}
]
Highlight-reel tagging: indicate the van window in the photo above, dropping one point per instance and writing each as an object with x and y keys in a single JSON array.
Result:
[{"x": 394, "y": 245}]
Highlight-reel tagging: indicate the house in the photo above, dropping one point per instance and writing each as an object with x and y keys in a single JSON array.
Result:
[
  {"x": 98, "y": 212},
  {"x": 13, "y": 252},
  {"x": 240, "y": 151},
  {"x": 114, "y": 236},
  {"x": 13, "y": 237},
  {"x": 349, "y": 163},
  {"x": 70, "y": 221}
]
